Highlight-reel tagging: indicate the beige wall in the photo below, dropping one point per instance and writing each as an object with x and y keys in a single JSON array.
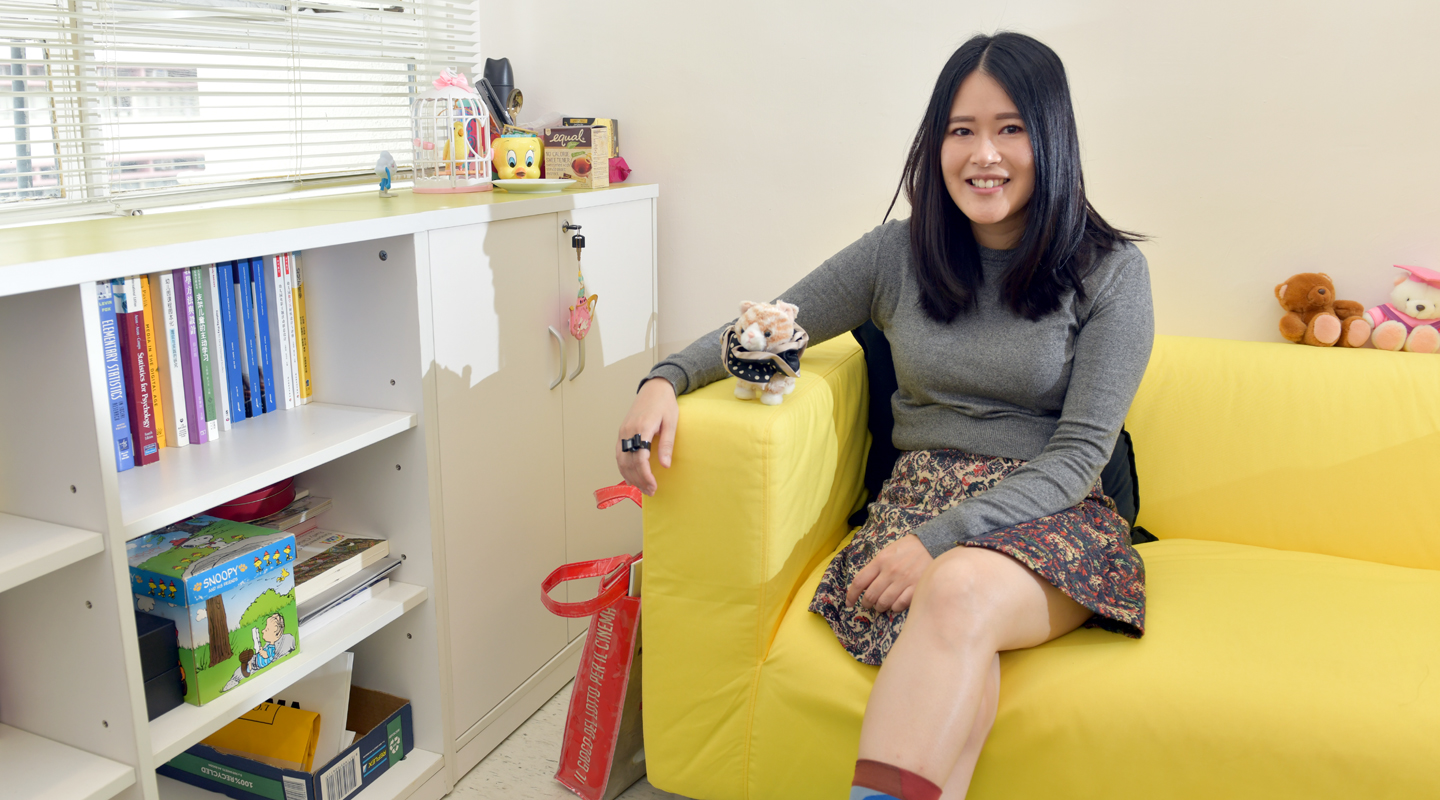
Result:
[{"x": 1250, "y": 140}]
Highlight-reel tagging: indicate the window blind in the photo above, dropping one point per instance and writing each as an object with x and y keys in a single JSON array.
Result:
[{"x": 112, "y": 104}]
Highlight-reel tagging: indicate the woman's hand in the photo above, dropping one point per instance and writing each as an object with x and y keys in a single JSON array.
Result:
[
  {"x": 653, "y": 415},
  {"x": 889, "y": 580}
]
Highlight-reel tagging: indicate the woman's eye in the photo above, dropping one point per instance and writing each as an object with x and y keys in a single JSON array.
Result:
[
  {"x": 1011, "y": 129},
  {"x": 961, "y": 132}
]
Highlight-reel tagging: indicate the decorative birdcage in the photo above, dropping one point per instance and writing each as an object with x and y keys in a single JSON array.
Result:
[{"x": 451, "y": 130}]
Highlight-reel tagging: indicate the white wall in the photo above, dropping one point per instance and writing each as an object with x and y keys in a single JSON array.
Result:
[{"x": 1250, "y": 140}]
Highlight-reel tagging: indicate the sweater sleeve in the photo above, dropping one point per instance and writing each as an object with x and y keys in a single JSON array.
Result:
[
  {"x": 834, "y": 298},
  {"x": 1112, "y": 348}
]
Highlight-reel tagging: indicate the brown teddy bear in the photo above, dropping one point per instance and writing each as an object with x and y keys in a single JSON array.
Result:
[{"x": 1315, "y": 317}]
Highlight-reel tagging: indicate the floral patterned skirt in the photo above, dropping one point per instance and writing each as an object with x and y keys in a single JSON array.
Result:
[{"x": 1084, "y": 551}]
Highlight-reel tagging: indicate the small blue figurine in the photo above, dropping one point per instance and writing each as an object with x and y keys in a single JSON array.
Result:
[{"x": 384, "y": 169}]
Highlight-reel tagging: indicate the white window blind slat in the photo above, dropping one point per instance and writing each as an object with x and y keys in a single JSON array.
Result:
[{"x": 104, "y": 100}]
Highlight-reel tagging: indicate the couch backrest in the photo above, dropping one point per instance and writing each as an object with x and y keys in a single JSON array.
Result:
[{"x": 1326, "y": 450}]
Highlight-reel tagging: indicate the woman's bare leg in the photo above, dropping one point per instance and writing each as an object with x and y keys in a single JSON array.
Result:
[
  {"x": 959, "y": 781},
  {"x": 971, "y": 604}
]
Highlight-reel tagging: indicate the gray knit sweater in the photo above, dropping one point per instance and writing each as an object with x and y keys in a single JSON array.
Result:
[{"x": 1052, "y": 392}]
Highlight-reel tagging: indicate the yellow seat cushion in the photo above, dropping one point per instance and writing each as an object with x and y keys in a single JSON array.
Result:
[{"x": 1263, "y": 673}]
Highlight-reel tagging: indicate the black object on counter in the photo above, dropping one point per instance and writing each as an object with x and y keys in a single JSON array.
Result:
[{"x": 501, "y": 77}]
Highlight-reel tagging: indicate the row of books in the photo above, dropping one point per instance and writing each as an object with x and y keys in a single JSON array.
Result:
[{"x": 191, "y": 352}]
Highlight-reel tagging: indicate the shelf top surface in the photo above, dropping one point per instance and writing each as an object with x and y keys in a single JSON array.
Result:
[
  {"x": 36, "y": 767},
  {"x": 45, "y": 256},
  {"x": 30, "y": 548},
  {"x": 188, "y": 480}
]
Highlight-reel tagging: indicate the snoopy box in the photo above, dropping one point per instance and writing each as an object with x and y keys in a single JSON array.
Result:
[{"x": 229, "y": 589}]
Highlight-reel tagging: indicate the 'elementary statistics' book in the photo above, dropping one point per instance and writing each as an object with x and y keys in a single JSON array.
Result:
[{"x": 328, "y": 557}]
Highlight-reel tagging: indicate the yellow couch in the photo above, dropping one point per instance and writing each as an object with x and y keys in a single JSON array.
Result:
[{"x": 1293, "y": 632}]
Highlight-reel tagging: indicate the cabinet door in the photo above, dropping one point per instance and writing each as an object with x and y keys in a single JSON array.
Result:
[
  {"x": 618, "y": 263},
  {"x": 501, "y": 451}
]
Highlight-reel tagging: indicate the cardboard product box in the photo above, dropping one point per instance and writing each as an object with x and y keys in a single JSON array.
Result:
[
  {"x": 384, "y": 734},
  {"x": 222, "y": 581},
  {"x": 579, "y": 152},
  {"x": 611, "y": 125}
]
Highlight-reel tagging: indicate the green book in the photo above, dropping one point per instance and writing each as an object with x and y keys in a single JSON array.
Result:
[{"x": 202, "y": 332}]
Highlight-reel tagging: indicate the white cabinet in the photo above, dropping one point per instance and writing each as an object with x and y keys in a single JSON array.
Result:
[
  {"x": 434, "y": 423},
  {"x": 527, "y": 436}
]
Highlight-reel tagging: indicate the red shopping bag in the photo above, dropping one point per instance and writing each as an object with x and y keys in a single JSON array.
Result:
[{"x": 604, "y": 748}]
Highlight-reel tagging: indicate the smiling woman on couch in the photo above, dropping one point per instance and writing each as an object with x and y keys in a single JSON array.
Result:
[{"x": 1021, "y": 324}]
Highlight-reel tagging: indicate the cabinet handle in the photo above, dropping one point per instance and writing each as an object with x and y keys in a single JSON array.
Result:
[
  {"x": 560, "y": 340},
  {"x": 579, "y": 368}
]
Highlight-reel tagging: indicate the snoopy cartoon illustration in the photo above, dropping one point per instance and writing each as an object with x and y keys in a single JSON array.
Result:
[
  {"x": 287, "y": 552},
  {"x": 203, "y": 540},
  {"x": 152, "y": 587},
  {"x": 271, "y": 644},
  {"x": 257, "y": 562},
  {"x": 172, "y": 590}
]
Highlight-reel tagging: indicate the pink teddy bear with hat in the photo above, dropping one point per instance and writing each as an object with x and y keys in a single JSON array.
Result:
[{"x": 1411, "y": 320}]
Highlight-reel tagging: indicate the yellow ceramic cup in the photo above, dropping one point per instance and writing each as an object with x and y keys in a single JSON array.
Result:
[{"x": 518, "y": 157}]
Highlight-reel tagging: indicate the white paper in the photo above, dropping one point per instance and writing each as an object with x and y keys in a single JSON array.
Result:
[{"x": 325, "y": 691}]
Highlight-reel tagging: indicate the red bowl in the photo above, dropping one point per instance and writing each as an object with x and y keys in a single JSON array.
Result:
[{"x": 257, "y": 504}]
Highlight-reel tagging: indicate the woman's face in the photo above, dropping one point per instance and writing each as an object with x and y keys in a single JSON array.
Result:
[{"x": 986, "y": 158}]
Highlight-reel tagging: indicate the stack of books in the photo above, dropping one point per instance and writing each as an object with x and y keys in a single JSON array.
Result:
[
  {"x": 333, "y": 571},
  {"x": 192, "y": 352}
]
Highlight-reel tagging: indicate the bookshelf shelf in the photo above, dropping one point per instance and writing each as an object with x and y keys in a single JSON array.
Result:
[
  {"x": 30, "y": 548},
  {"x": 174, "y": 731},
  {"x": 399, "y": 781},
  {"x": 253, "y": 454},
  {"x": 35, "y": 767}
]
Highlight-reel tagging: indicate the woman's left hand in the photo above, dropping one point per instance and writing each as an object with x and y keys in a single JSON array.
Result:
[{"x": 889, "y": 580}]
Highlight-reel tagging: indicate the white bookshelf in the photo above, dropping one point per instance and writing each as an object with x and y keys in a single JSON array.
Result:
[
  {"x": 249, "y": 456},
  {"x": 174, "y": 731},
  {"x": 73, "y": 721},
  {"x": 35, "y": 768},
  {"x": 30, "y": 548}
]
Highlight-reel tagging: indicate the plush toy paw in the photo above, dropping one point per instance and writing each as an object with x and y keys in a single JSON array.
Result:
[
  {"x": 1389, "y": 335},
  {"x": 780, "y": 384},
  {"x": 771, "y": 398},
  {"x": 1354, "y": 332},
  {"x": 1324, "y": 331},
  {"x": 1423, "y": 339},
  {"x": 744, "y": 391}
]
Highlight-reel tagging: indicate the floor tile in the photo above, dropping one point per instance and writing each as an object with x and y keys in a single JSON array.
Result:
[{"x": 523, "y": 766}]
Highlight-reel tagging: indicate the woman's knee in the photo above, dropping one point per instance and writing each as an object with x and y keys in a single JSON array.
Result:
[{"x": 953, "y": 595}]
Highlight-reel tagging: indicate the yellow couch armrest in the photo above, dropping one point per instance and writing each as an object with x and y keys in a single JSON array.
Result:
[{"x": 756, "y": 496}]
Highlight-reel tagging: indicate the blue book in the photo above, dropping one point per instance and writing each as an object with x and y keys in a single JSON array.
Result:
[
  {"x": 114, "y": 378},
  {"x": 254, "y": 404},
  {"x": 258, "y": 275},
  {"x": 225, "y": 282}
]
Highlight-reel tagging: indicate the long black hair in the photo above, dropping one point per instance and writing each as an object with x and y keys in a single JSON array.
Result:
[{"x": 1063, "y": 233}]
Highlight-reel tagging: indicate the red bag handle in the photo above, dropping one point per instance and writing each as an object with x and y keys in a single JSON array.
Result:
[{"x": 618, "y": 585}]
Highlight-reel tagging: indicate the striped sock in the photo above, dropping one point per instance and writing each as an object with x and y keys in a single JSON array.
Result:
[{"x": 875, "y": 780}]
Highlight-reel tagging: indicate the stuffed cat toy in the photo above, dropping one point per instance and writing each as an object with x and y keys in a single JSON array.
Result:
[{"x": 762, "y": 350}]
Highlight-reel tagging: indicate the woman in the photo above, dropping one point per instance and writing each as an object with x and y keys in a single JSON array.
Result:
[{"x": 1020, "y": 323}]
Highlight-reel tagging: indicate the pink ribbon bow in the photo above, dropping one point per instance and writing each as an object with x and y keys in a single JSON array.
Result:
[{"x": 449, "y": 77}]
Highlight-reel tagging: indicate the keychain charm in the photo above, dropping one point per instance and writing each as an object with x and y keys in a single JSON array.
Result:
[{"x": 582, "y": 314}]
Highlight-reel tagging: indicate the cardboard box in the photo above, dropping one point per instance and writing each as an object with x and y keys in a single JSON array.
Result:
[
  {"x": 581, "y": 153},
  {"x": 213, "y": 578},
  {"x": 384, "y": 734},
  {"x": 613, "y": 126}
]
